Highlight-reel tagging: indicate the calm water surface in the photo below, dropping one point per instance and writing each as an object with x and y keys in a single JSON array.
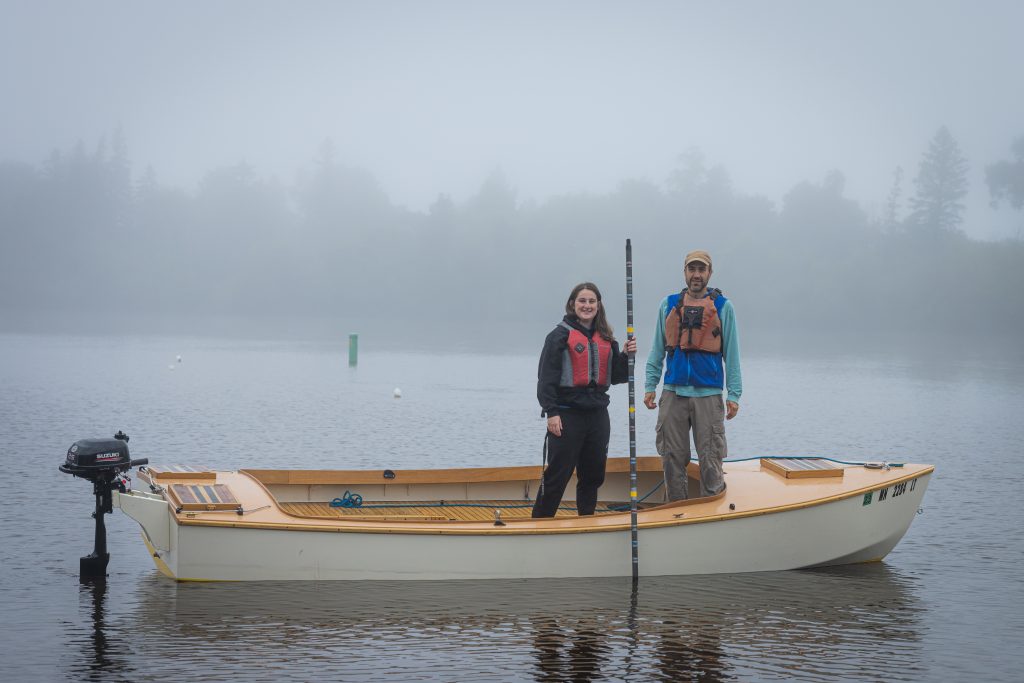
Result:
[{"x": 946, "y": 603}]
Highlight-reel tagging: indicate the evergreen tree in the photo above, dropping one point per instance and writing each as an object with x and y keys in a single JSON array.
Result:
[
  {"x": 1005, "y": 179},
  {"x": 119, "y": 177},
  {"x": 941, "y": 183},
  {"x": 692, "y": 178},
  {"x": 892, "y": 202}
]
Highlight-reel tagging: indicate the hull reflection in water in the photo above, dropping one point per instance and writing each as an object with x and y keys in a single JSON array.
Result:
[{"x": 822, "y": 623}]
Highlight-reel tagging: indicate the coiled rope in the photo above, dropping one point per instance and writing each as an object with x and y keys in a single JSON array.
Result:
[{"x": 349, "y": 500}]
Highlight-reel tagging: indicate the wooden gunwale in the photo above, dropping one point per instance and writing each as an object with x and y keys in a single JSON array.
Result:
[{"x": 611, "y": 522}]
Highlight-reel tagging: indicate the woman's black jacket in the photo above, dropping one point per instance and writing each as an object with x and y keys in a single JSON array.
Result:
[{"x": 552, "y": 398}]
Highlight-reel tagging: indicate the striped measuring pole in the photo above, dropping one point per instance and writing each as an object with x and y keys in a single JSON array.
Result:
[{"x": 632, "y": 415}]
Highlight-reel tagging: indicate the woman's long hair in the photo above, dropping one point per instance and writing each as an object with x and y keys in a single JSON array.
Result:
[{"x": 601, "y": 325}]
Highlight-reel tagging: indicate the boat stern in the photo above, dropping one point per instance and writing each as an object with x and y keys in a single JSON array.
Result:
[{"x": 153, "y": 513}]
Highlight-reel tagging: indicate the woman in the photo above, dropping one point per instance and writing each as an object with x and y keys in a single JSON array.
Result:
[{"x": 580, "y": 360}]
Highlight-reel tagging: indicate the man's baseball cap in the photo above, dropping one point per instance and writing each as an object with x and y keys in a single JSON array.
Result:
[{"x": 699, "y": 255}]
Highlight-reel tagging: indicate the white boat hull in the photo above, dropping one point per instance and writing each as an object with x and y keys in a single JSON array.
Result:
[{"x": 841, "y": 530}]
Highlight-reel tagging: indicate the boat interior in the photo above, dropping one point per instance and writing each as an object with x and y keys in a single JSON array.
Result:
[
  {"x": 469, "y": 495},
  {"x": 502, "y": 496}
]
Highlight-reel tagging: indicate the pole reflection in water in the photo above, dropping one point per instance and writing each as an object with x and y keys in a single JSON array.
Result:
[{"x": 844, "y": 622}]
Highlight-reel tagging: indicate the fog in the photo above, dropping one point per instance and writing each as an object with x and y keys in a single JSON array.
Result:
[{"x": 309, "y": 169}]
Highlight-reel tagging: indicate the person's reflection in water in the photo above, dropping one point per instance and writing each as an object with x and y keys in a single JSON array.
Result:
[
  {"x": 569, "y": 649},
  {"x": 688, "y": 651}
]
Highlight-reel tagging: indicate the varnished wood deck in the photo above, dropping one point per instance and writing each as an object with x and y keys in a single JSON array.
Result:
[
  {"x": 264, "y": 495},
  {"x": 462, "y": 511}
]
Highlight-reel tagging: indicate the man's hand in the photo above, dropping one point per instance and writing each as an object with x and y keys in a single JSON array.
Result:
[
  {"x": 649, "y": 400},
  {"x": 731, "y": 408}
]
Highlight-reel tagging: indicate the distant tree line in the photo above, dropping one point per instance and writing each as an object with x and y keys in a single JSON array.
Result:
[{"x": 88, "y": 243}]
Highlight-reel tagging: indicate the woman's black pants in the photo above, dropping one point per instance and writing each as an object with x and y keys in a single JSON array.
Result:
[{"x": 583, "y": 447}]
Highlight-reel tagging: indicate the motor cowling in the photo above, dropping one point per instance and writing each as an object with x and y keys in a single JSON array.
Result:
[
  {"x": 88, "y": 457},
  {"x": 100, "y": 461}
]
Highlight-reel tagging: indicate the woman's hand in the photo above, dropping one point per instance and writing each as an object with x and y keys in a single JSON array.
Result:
[
  {"x": 555, "y": 425},
  {"x": 630, "y": 346}
]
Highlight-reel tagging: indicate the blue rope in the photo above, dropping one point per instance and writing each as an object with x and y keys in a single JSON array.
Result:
[
  {"x": 621, "y": 507},
  {"x": 807, "y": 457},
  {"x": 626, "y": 506},
  {"x": 349, "y": 500},
  {"x": 354, "y": 500}
]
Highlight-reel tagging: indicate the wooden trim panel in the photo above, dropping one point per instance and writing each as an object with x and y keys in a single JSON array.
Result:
[{"x": 469, "y": 475}]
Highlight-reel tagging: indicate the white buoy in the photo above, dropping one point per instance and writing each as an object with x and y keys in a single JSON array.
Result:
[
  {"x": 170, "y": 367},
  {"x": 397, "y": 393},
  {"x": 179, "y": 359}
]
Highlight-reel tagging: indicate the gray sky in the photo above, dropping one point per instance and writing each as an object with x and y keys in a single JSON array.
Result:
[{"x": 563, "y": 96}]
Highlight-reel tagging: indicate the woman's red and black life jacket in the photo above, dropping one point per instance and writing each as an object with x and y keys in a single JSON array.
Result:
[{"x": 586, "y": 361}]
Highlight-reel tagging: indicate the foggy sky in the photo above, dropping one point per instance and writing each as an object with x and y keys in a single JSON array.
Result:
[{"x": 564, "y": 97}]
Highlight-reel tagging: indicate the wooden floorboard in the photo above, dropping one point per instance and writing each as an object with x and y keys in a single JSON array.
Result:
[{"x": 510, "y": 509}]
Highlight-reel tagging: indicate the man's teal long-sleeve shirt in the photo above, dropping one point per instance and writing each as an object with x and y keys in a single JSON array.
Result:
[{"x": 730, "y": 354}]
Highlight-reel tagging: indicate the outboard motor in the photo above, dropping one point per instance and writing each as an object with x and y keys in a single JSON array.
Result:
[{"x": 101, "y": 461}]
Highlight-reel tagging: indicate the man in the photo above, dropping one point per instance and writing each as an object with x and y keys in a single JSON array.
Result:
[{"x": 696, "y": 331}]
